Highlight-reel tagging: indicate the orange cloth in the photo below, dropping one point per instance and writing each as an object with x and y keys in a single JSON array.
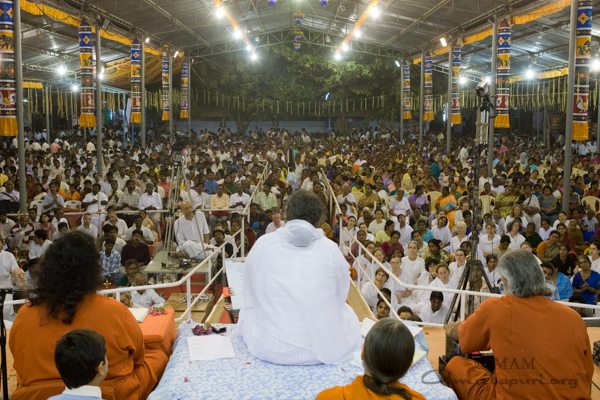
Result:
[
  {"x": 358, "y": 391},
  {"x": 133, "y": 371},
  {"x": 542, "y": 351},
  {"x": 159, "y": 331}
]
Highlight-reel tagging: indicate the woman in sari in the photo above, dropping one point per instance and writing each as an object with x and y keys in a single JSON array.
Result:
[
  {"x": 576, "y": 235},
  {"x": 419, "y": 200},
  {"x": 548, "y": 205},
  {"x": 435, "y": 250},
  {"x": 547, "y": 250},
  {"x": 506, "y": 201},
  {"x": 564, "y": 236},
  {"x": 531, "y": 236},
  {"x": 147, "y": 222},
  {"x": 447, "y": 203}
]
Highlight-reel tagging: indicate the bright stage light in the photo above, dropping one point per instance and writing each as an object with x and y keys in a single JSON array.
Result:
[
  {"x": 443, "y": 40},
  {"x": 529, "y": 74},
  {"x": 253, "y": 56},
  {"x": 237, "y": 34},
  {"x": 249, "y": 47},
  {"x": 357, "y": 33},
  {"x": 375, "y": 12},
  {"x": 488, "y": 79},
  {"x": 596, "y": 64},
  {"x": 74, "y": 88},
  {"x": 338, "y": 56},
  {"x": 344, "y": 47},
  {"x": 176, "y": 54},
  {"x": 62, "y": 69},
  {"x": 220, "y": 12},
  {"x": 147, "y": 40},
  {"x": 397, "y": 63},
  {"x": 463, "y": 80}
]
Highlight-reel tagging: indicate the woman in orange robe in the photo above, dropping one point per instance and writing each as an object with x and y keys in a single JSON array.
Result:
[
  {"x": 392, "y": 340},
  {"x": 541, "y": 347},
  {"x": 66, "y": 300}
]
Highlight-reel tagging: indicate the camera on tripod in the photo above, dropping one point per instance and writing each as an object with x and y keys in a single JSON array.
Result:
[
  {"x": 179, "y": 145},
  {"x": 483, "y": 91}
]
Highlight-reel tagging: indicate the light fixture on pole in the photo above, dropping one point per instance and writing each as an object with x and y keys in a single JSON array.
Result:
[{"x": 443, "y": 41}]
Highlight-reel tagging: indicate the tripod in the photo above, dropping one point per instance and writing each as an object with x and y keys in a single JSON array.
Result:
[{"x": 468, "y": 275}]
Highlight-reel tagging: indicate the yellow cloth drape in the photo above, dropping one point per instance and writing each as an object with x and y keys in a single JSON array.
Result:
[
  {"x": 540, "y": 12},
  {"x": 542, "y": 75},
  {"x": 40, "y": 9},
  {"x": 32, "y": 85}
]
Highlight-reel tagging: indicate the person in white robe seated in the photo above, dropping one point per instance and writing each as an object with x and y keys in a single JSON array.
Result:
[
  {"x": 413, "y": 263},
  {"x": 434, "y": 311},
  {"x": 296, "y": 283},
  {"x": 370, "y": 289},
  {"x": 399, "y": 205},
  {"x": 402, "y": 294},
  {"x": 442, "y": 232},
  {"x": 191, "y": 232},
  {"x": 442, "y": 281},
  {"x": 458, "y": 266}
]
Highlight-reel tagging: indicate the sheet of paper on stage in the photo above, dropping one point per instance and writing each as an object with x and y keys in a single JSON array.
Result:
[
  {"x": 366, "y": 326},
  {"x": 235, "y": 277},
  {"x": 415, "y": 330},
  {"x": 139, "y": 314},
  {"x": 210, "y": 347},
  {"x": 419, "y": 355}
]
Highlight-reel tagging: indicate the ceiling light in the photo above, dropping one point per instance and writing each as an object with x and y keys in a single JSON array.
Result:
[
  {"x": 102, "y": 70},
  {"x": 529, "y": 74},
  {"x": 463, "y": 80},
  {"x": 338, "y": 56},
  {"x": 375, "y": 12},
  {"x": 253, "y": 57},
  {"x": 101, "y": 76},
  {"x": 249, "y": 47},
  {"x": 357, "y": 33},
  {"x": 74, "y": 88},
  {"x": 147, "y": 40},
  {"x": 397, "y": 63},
  {"x": 443, "y": 41},
  {"x": 62, "y": 69},
  {"x": 488, "y": 79},
  {"x": 596, "y": 64},
  {"x": 176, "y": 54},
  {"x": 220, "y": 12},
  {"x": 344, "y": 47},
  {"x": 237, "y": 34}
]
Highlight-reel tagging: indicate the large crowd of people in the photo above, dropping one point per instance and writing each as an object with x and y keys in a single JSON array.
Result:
[{"x": 411, "y": 208}]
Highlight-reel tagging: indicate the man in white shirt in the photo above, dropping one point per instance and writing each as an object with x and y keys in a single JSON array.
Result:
[
  {"x": 347, "y": 198},
  {"x": 112, "y": 219},
  {"x": 191, "y": 232},
  {"x": 148, "y": 297},
  {"x": 10, "y": 194},
  {"x": 434, "y": 311},
  {"x": 6, "y": 225},
  {"x": 276, "y": 224},
  {"x": 40, "y": 244},
  {"x": 151, "y": 200},
  {"x": 93, "y": 202},
  {"x": 7, "y": 265},
  {"x": 137, "y": 224},
  {"x": 239, "y": 199},
  {"x": 88, "y": 227}
]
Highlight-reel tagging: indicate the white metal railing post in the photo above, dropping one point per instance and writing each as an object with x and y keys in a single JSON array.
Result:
[
  {"x": 463, "y": 298},
  {"x": 189, "y": 298}
]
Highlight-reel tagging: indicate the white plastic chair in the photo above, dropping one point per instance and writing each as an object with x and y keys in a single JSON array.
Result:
[{"x": 38, "y": 204}]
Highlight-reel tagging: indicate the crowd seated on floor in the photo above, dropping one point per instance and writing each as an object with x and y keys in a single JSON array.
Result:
[{"x": 411, "y": 209}]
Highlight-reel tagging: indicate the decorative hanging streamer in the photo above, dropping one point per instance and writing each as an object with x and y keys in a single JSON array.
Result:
[
  {"x": 582, "y": 70},
  {"x": 406, "y": 100},
  {"x": 165, "y": 86},
  {"x": 136, "y": 91},
  {"x": 184, "y": 89},
  {"x": 87, "y": 119},
  {"x": 428, "y": 114},
  {"x": 503, "y": 76},
  {"x": 456, "y": 118}
]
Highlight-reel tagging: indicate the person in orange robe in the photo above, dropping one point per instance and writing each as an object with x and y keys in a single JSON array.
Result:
[
  {"x": 541, "y": 347},
  {"x": 66, "y": 300},
  {"x": 392, "y": 340}
]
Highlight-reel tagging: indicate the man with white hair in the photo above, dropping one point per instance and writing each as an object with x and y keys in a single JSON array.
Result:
[
  {"x": 348, "y": 199},
  {"x": 276, "y": 224},
  {"x": 145, "y": 298},
  {"x": 505, "y": 324},
  {"x": 191, "y": 232}
]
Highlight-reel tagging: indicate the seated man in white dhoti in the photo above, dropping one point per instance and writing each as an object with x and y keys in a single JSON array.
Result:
[
  {"x": 191, "y": 233},
  {"x": 296, "y": 283}
]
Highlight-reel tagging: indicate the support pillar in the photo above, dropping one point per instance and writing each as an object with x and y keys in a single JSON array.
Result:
[
  {"x": 46, "y": 93},
  {"x": 490, "y": 154},
  {"x": 189, "y": 99},
  {"x": 99, "y": 159},
  {"x": 569, "y": 125},
  {"x": 422, "y": 101},
  {"x": 401, "y": 127},
  {"x": 170, "y": 97},
  {"x": 449, "y": 106},
  {"x": 19, "y": 99},
  {"x": 143, "y": 93}
]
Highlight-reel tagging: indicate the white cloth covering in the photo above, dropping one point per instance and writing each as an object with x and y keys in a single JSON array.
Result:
[
  {"x": 188, "y": 237},
  {"x": 295, "y": 289},
  {"x": 415, "y": 268},
  {"x": 438, "y": 317}
]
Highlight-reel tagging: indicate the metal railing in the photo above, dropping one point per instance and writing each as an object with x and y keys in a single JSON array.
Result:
[
  {"x": 208, "y": 261},
  {"x": 463, "y": 293}
]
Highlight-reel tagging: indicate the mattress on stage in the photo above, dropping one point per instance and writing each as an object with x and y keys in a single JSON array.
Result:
[{"x": 247, "y": 377}]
